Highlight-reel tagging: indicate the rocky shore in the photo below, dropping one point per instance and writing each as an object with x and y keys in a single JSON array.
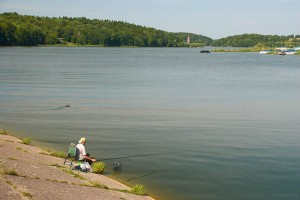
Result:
[{"x": 28, "y": 172}]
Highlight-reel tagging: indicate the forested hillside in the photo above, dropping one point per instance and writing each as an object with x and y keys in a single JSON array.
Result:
[
  {"x": 249, "y": 40},
  {"x": 26, "y": 30}
]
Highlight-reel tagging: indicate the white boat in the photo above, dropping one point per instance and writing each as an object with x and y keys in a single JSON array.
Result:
[
  {"x": 265, "y": 51},
  {"x": 297, "y": 48},
  {"x": 290, "y": 52},
  {"x": 286, "y": 51}
]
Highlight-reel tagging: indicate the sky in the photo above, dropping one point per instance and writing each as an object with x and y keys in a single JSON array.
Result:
[{"x": 212, "y": 18}]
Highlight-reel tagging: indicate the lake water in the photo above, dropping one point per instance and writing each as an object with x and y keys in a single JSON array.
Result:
[{"x": 219, "y": 125}]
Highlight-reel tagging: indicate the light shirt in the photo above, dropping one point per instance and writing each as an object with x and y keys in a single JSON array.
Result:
[{"x": 80, "y": 151}]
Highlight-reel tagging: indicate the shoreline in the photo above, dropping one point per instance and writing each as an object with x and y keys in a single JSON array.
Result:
[
  {"x": 215, "y": 50},
  {"x": 30, "y": 172}
]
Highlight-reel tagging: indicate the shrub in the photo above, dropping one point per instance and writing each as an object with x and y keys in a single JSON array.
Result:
[
  {"x": 26, "y": 141},
  {"x": 99, "y": 167},
  {"x": 138, "y": 189}
]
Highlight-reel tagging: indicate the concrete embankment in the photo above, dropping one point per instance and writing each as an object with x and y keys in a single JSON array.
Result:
[{"x": 27, "y": 172}]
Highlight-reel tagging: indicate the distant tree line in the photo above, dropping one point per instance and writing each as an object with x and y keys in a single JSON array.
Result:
[
  {"x": 250, "y": 40},
  {"x": 25, "y": 30}
]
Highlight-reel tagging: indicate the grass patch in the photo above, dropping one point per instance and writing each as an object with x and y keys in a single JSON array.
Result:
[
  {"x": 26, "y": 140},
  {"x": 27, "y": 194},
  {"x": 138, "y": 190},
  {"x": 11, "y": 172},
  {"x": 98, "y": 185},
  {"x": 98, "y": 167},
  {"x": 3, "y": 132},
  {"x": 21, "y": 149},
  {"x": 58, "y": 154},
  {"x": 76, "y": 175},
  {"x": 46, "y": 149},
  {"x": 43, "y": 153},
  {"x": 1, "y": 167},
  {"x": 11, "y": 184},
  {"x": 11, "y": 158},
  {"x": 56, "y": 165},
  {"x": 62, "y": 181},
  {"x": 56, "y": 181}
]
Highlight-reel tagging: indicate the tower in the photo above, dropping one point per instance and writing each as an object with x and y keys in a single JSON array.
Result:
[{"x": 188, "y": 39}]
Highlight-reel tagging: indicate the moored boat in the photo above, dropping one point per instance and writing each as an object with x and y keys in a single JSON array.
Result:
[
  {"x": 281, "y": 53},
  {"x": 286, "y": 51},
  {"x": 297, "y": 48},
  {"x": 204, "y": 51},
  {"x": 290, "y": 52}
]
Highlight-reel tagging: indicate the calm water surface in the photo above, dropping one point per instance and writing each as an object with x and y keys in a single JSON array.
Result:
[{"x": 220, "y": 125}]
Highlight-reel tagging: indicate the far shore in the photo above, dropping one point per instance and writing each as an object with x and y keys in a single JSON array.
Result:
[
  {"x": 215, "y": 49},
  {"x": 31, "y": 172}
]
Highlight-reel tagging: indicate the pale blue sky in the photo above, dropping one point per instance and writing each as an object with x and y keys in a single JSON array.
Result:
[{"x": 212, "y": 18}]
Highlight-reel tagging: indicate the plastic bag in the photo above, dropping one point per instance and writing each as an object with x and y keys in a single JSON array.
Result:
[{"x": 86, "y": 166}]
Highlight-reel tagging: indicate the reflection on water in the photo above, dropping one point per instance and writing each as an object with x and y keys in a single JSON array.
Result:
[{"x": 184, "y": 124}]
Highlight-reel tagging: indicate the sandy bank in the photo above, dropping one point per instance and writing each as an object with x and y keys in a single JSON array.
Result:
[{"x": 26, "y": 172}]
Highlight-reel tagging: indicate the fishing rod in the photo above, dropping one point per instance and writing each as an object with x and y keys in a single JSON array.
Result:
[
  {"x": 133, "y": 156},
  {"x": 117, "y": 166}
]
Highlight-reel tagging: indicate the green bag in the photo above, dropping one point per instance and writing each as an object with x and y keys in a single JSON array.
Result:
[{"x": 72, "y": 150}]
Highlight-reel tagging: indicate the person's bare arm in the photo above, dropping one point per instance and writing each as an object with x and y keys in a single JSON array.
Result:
[{"x": 88, "y": 158}]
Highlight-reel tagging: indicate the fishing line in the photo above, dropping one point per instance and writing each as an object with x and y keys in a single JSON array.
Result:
[
  {"x": 133, "y": 156},
  {"x": 142, "y": 176},
  {"x": 117, "y": 166}
]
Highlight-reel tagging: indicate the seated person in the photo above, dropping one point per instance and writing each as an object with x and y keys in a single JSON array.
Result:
[{"x": 81, "y": 153}]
